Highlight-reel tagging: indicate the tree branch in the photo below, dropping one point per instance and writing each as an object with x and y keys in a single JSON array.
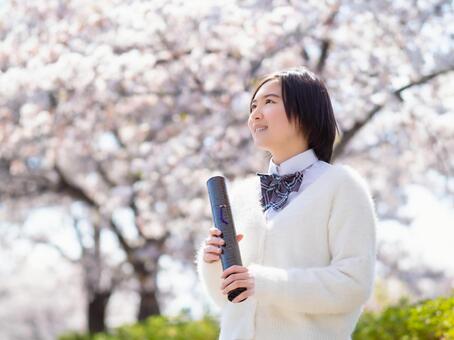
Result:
[
  {"x": 348, "y": 135},
  {"x": 124, "y": 244},
  {"x": 78, "y": 193},
  {"x": 40, "y": 240},
  {"x": 67, "y": 186},
  {"x": 422, "y": 80},
  {"x": 326, "y": 42}
]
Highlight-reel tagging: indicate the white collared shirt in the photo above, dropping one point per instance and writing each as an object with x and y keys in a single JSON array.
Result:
[{"x": 308, "y": 162}]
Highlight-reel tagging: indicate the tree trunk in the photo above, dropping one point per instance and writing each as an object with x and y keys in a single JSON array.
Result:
[
  {"x": 145, "y": 266},
  {"x": 148, "y": 304},
  {"x": 97, "y": 311}
]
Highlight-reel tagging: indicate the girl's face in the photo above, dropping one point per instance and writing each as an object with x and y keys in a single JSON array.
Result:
[{"x": 280, "y": 137}]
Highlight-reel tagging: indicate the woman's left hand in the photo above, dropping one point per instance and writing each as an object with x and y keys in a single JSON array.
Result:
[{"x": 240, "y": 277}]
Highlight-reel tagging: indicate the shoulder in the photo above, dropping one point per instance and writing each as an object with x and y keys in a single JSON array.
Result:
[
  {"x": 349, "y": 182},
  {"x": 343, "y": 173}
]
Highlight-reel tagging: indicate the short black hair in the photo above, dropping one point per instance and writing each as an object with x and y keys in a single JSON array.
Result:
[{"x": 307, "y": 101}]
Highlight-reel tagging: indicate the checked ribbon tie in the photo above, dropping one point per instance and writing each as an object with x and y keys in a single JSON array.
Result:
[{"x": 275, "y": 189}]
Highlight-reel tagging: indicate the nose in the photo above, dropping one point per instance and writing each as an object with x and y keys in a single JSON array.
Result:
[{"x": 256, "y": 114}]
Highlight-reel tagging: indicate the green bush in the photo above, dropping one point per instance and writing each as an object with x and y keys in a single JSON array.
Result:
[
  {"x": 158, "y": 328},
  {"x": 425, "y": 320}
]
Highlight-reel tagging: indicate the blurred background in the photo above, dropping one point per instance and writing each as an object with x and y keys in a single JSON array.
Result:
[{"x": 113, "y": 114}]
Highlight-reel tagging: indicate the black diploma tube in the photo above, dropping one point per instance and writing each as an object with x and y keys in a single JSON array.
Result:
[{"x": 223, "y": 220}]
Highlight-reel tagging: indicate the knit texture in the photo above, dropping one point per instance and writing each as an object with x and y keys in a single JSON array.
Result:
[{"x": 313, "y": 263}]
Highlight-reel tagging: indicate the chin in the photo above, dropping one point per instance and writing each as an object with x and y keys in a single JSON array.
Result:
[{"x": 260, "y": 146}]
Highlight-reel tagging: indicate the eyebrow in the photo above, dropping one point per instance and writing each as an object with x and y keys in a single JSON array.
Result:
[{"x": 267, "y": 95}]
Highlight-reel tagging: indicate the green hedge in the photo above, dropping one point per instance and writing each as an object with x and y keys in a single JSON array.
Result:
[
  {"x": 159, "y": 328},
  {"x": 425, "y": 320}
]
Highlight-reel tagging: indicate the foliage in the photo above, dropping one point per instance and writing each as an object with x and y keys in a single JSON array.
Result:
[
  {"x": 158, "y": 327},
  {"x": 427, "y": 319}
]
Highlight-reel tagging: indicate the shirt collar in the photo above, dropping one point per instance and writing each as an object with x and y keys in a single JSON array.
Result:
[{"x": 296, "y": 163}]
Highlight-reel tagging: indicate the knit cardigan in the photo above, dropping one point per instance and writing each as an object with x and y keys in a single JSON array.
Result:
[{"x": 313, "y": 262}]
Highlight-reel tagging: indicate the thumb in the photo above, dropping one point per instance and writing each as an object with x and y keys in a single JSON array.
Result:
[{"x": 239, "y": 237}]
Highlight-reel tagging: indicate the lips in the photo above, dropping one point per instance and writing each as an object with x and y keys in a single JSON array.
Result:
[{"x": 260, "y": 128}]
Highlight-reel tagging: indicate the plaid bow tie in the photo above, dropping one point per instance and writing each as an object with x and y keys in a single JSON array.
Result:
[{"x": 275, "y": 189}]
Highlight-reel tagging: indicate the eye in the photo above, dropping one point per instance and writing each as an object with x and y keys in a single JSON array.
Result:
[{"x": 266, "y": 102}]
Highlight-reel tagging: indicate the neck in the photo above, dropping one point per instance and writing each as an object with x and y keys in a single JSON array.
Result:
[{"x": 280, "y": 157}]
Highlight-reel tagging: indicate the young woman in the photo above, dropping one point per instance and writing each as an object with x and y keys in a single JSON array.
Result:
[{"x": 308, "y": 225}]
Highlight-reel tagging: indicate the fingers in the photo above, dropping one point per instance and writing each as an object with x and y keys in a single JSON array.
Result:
[
  {"x": 248, "y": 292},
  {"x": 233, "y": 269},
  {"x": 209, "y": 257},
  {"x": 215, "y": 231},
  {"x": 212, "y": 249},
  {"x": 234, "y": 278},
  {"x": 216, "y": 241},
  {"x": 239, "y": 280},
  {"x": 215, "y": 237},
  {"x": 248, "y": 284},
  {"x": 211, "y": 253}
]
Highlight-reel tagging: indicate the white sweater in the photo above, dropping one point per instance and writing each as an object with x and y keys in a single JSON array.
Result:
[{"x": 313, "y": 263}]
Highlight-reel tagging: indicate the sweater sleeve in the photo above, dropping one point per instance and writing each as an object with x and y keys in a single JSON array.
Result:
[
  {"x": 210, "y": 276},
  {"x": 347, "y": 282}
]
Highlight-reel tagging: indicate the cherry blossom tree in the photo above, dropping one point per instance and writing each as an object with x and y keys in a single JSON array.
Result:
[{"x": 128, "y": 108}]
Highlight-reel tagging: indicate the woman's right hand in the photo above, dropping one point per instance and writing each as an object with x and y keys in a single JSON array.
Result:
[{"x": 213, "y": 243}]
